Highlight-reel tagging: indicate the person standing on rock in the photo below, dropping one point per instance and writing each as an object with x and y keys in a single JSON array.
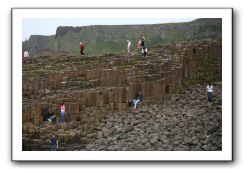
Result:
[
  {"x": 82, "y": 47},
  {"x": 54, "y": 143},
  {"x": 142, "y": 40},
  {"x": 26, "y": 56},
  {"x": 209, "y": 92},
  {"x": 62, "y": 112},
  {"x": 139, "y": 44},
  {"x": 129, "y": 46},
  {"x": 137, "y": 100},
  {"x": 143, "y": 52}
]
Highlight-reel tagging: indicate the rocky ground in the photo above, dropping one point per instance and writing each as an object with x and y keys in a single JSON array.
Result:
[{"x": 184, "y": 122}]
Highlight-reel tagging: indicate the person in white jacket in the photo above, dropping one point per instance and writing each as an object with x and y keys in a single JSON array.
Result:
[
  {"x": 129, "y": 46},
  {"x": 26, "y": 56},
  {"x": 209, "y": 92}
]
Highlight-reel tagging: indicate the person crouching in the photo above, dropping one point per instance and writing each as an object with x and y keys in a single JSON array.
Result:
[{"x": 137, "y": 100}]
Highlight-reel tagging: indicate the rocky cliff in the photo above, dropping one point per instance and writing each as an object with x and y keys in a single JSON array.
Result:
[{"x": 112, "y": 38}]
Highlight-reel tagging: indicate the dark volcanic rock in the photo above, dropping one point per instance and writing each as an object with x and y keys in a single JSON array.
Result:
[{"x": 167, "y": 126}]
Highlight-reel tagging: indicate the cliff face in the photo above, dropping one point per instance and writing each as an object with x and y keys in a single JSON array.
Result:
[
  {"x": 35, "y": 44},
  {"x": 112, "y": 38}
]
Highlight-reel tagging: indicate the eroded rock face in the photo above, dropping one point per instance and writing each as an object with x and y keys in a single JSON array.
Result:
[{"x": 96, "y": 91}]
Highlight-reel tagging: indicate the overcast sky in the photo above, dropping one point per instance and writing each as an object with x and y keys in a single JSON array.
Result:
[{"x": 48, "y": 26}]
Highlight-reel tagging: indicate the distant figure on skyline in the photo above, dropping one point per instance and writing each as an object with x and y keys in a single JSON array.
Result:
[
  {"x": 82, "y": 47},
  {"x": 26, "y": 56}
]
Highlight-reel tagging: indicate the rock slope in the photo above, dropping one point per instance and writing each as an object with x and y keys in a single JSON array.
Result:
[{"x": 185, "y": 122}]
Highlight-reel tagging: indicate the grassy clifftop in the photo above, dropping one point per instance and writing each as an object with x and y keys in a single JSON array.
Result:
[{"x": 112, "y": 38}]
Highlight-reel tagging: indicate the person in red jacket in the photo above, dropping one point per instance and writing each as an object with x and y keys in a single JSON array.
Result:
[{"x": 82, "y": 47}]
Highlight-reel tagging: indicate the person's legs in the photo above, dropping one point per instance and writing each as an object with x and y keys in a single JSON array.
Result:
[
  {"x": 81, "y": 52},
  {"x": 52, "y": 117},
  {"x": 142, "y": 54},
  {"x": 210, "y": 94},
  {"x": 53, "y": 148},
  {"x": 136, "y": 102},
  {"x": 209, "y": 97},
  {"x": 62, "y": 117}
]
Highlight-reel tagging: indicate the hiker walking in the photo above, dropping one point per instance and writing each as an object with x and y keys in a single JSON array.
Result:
[
  {"x": 209, "y": 92},
  {"x": 26, "y": 56},
  {"x": 82, "y": 47},
  {"x": 54, "y": 143},
  {"x": 62, "y": 112},
  {"x": 141, "y": 42},
  {"x": 143, "y": 52}
]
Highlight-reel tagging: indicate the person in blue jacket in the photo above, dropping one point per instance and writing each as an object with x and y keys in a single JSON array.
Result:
[{"x": 137, "y": 100}]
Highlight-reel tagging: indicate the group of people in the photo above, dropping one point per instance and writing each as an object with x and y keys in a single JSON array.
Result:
[
  {"x": 140, "y": 45},
  {"x": 51, "y": 117},
  {"x": 136, "y": 101},
  {"x": 209, "y": 91},
  {"x": 26, "y": 55}
]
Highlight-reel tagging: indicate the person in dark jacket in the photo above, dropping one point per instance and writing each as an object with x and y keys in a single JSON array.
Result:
[
  {"x": 142, "y": 40},
  {"x": 51, "y": 116},
  {"x": 54, "y": 143},
  {"x": 137, "y": 100}
]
